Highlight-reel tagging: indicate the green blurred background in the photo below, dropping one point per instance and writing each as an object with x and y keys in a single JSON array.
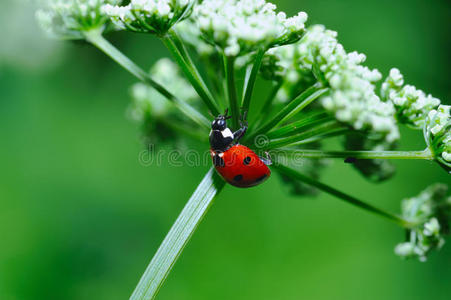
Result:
[{"x": 80, "y": 218}]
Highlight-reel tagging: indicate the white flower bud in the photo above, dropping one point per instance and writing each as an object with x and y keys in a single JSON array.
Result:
[
  {"x": 432, "y": 227},
  {"x": 405, "y": 249}
]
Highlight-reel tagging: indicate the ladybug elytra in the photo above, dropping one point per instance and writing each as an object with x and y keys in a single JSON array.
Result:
[{"x": 237, "y": 164}]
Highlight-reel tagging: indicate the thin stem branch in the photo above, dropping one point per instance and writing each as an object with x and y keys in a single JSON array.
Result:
[
  {"x": 292, "y": 108},
  {"x": 229, "y": 67},
  {"x": 250, "y": 83},
  {"x": 300, "y": 137},
  {"x": 177, "y": 238},
  {"x": 95, "y": 38},
  {"x": 191, "y": 74},
  {"x": 267, "y": 105},
  {"x": 321, "y": 137},
  {"x": 308, "y": 121},
  {"x": 420, "y": 155},
  {"x": 340, "y": 195}
]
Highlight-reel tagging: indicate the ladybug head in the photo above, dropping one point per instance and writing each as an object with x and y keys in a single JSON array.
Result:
[{"x": 220, "y": 123}]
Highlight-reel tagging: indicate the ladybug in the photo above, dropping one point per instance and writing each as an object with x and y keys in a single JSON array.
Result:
[{"x": 237, "y": 164}]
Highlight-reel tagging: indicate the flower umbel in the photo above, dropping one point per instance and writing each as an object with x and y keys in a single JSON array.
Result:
[
  {"x": 430, "y": 211},
  {"x": 67, "y": 19},
  {"x": 240, "y": 27},
  {"x": 437, "y": 132},
  {"x": 150, "y": 16},
  {"x": 157, "y": 116},
  {"x": 412, "y": 105},
  {"x": 352, "y": 97}
]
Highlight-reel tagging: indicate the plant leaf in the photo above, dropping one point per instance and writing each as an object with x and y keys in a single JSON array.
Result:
[{"x": 177, "y": 238}]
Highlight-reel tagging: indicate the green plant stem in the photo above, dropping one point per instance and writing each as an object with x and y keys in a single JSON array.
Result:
[
  {"x": 229, "y": 68},
  {"x": 323, "y": 136},
  {"x": 340, "y": 195},
  {"x": 292, "y": 108},
  {"x": 308, "y": 121},
  {"x": 267, "y": 105},
  {"x": 295, "y": 139},
  {"x": 250, "y": 82},
  {"x": 177, "y": 238},
  {"x": 421, "y": 155},
  {"x": 191, "y": 74},
  {"x": 95, "y": 38}
]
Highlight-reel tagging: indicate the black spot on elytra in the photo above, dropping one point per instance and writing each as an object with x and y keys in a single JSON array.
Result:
[
  {"x": 261, "y": 178},
  {"x": 218, "y": 161},
  {"x": 247, "y": 160},
  {"x": 238, "y": 177}
]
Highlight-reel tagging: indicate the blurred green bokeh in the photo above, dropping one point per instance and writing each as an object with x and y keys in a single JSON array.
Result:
[{"x": 80, "y": 218}]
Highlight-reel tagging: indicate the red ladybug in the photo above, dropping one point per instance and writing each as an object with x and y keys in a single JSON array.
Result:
[{"x": 237, "y": 164}]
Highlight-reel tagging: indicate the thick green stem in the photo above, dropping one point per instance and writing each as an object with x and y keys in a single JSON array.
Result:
[
  {"x": 421, "y": 155},
  {"x": 177, "y": 238},
  {"x": 95, "y": 38},
  {"x": 191, "y": 74},
  {"x": 340, "y": 195},
  {"x": 229, "y": 67},
  {"x": 250, "y": 82}
]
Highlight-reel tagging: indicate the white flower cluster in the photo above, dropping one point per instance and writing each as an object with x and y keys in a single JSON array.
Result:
[
  {"x": 438, "y": 133},
  {"x": 148, "y": 102},
  {"x": 243, "y": 26},
  {"x": 352, "y": 97},
  {"x": 67, "y": 19},
  {"x": 412, "y": 105},
  {"x": 152, "y": 16},
  {"x": 428, "y": 209}
]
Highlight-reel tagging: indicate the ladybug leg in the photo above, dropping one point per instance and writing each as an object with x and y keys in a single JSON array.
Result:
[
  {"x": 218, "y": 161},
  {"x": 237, "y": 135},
  {"x": 266, "y": 160}
]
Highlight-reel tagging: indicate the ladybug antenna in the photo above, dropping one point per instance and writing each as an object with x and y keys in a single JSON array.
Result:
[{"x": 225, "y": 116}]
